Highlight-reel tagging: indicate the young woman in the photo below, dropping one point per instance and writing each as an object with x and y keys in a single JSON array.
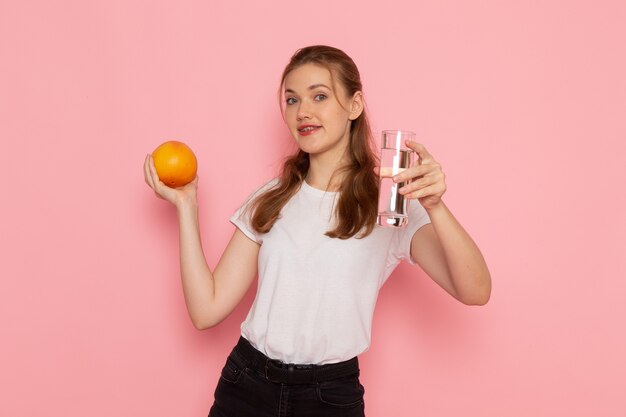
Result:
[{"x": 311, "y": 235}]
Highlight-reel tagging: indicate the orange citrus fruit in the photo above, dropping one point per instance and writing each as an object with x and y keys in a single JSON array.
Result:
[{"x": 175, "y": 163}]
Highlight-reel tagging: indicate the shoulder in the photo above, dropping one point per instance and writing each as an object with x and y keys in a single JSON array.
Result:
[
  {"x": 267, "y": 186},
  {"x": 258, "y": 192}
]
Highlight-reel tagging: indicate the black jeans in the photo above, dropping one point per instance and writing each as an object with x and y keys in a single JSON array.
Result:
[{"x": 253, "y": 385}]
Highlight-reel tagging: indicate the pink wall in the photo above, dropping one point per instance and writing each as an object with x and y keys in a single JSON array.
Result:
[{"x": 523, "y": 103}]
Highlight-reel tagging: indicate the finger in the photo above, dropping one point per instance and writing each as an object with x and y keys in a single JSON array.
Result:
[
  {"x": 425, "y": 192},
  {"x": 424, "y": 155},
  {"x": 191, "y": 184},
  {"x": 150, "y": 178},
  {"x": 153, "y": 172},
  {"x": 413, "y": 172},
  {"x": 146, "y": 172},
  {"x": 159, "y": 186},
  {"x": 386, "y": 172},
  {"x": 154, "y": 178},
  {"x": 416, "y": 185}
]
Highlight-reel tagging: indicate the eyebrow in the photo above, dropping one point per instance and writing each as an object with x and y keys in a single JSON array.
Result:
[{"x": 311, "y": 87}]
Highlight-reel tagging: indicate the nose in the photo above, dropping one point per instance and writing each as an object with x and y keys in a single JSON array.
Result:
[{"x": 303, "y": 113}]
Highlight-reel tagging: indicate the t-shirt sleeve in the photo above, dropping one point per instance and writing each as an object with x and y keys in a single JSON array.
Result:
[
  {"x": 401, "y": 243},
  {"x": 242, "y": 217}
]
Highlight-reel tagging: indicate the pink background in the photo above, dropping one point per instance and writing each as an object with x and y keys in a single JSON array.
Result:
[{"x": 522, "y": 103}]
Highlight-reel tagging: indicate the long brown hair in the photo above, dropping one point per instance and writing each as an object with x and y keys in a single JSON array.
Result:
[{"x": 357, "y": 205}]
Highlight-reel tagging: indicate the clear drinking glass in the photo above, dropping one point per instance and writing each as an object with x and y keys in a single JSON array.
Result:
[{"x": 395, "y": 157}]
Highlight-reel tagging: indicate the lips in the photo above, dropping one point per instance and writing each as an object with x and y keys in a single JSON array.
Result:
[{"x": 306, "y": 130}]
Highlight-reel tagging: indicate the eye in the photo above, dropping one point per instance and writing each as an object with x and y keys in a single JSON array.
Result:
[
  {"x": 323, "y": 97},
  {"x": 290, "y": 100}
]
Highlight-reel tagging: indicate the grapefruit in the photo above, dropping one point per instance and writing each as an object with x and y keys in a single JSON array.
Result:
[{"x": 175, "y": 163}]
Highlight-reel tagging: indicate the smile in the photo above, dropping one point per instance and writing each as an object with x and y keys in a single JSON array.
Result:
[{"x": 308, "y": 130}]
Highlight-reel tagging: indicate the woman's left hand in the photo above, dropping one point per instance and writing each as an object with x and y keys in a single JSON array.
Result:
[{"x": 427, "y": 179}]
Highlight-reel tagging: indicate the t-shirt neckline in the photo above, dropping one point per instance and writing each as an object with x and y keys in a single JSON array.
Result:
[{"x": 317, "y": 191}]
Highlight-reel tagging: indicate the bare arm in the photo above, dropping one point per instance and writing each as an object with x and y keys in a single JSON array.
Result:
[
  {"x": 444, "y": 249},
  {"x": 447, "y": 253},
  {"x": 209, "y": 296}
]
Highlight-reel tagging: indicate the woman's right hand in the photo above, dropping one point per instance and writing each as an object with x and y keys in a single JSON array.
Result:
[{"x": 176, "y": 196}]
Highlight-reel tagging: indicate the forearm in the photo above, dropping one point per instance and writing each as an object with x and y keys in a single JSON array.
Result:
[
  {"x": 468, "y": 269},
  {"x": 197, "y": 279}
]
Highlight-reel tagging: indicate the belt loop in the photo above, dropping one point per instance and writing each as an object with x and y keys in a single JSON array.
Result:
[{"x": 267, "y": 376}]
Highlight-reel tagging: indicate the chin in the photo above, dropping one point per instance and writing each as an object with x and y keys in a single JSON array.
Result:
[{"x": 306, "y": 147}]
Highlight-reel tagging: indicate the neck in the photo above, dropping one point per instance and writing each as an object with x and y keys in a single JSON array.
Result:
[{"x": 321, "y": 170}]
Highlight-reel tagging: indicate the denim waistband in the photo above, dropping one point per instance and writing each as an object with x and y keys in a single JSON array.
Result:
[{"x": 290, "y": 373}]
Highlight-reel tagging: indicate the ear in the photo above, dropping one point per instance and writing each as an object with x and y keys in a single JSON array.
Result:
[{"x": 356, "y": 105}]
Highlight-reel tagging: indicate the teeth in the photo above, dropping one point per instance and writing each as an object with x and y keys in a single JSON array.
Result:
[{"x": 306, "y": 129}]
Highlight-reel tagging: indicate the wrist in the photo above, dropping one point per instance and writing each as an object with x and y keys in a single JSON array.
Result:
[
  {"x": 440, "y": 207},
  {"x": 187, "y": 204}
]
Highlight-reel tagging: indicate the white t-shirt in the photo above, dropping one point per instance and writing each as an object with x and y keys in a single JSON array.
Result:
[{"x": 316, "y": 295}]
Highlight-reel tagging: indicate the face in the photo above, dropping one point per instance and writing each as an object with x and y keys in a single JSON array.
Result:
[{"x": 313, "y": 113}]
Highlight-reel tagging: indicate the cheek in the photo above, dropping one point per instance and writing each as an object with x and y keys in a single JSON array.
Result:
[
  {"x": 290, "y": 116},
  {"x": 339, "y": 118}
]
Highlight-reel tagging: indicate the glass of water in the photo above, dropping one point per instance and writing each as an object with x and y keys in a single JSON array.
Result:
[{"x": 395, "y": 157}]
